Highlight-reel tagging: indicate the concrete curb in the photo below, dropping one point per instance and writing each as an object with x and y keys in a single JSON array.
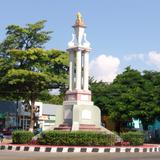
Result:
[{"x": 78, "y": 149}]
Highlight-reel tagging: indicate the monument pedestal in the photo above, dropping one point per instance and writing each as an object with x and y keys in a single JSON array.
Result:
[
  {"x": 79, "y": 113},
  {"x": 80, "y": 117}
]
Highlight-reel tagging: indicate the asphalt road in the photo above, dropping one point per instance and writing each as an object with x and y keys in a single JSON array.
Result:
[{"x": 10, "y": 155}]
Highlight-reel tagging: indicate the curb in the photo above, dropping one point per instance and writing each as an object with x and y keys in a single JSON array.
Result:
[{"x": 75, "y": 149}]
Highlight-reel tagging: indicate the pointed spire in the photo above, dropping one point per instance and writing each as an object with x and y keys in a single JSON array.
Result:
[{"x": 79, "y": 20}]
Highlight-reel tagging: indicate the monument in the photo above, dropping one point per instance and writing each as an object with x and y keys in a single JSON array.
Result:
[{"x": 79, "y": 112}]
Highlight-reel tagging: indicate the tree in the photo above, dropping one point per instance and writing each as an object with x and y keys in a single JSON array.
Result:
[
  {"x": 100, "y": 94},
  {"x": 149, "y": 108},
  {"x": 115, "y": 99},
  {"x": 131, "y": 95},
  {"x": 26, "y": 70},
  {"x": 23, "y": 38},
  {"x": 47, "y": 97},
  {"x": 124, "y": 103}
]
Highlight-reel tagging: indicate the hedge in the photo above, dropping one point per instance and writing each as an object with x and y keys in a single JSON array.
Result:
[
  {"x": 134, "y": 138},
  {"x": 22, "y": 137},
  {"x": 76, "y": 138}
]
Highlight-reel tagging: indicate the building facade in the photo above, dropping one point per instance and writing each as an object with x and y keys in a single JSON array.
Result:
[{"x": 14, "y": 116}]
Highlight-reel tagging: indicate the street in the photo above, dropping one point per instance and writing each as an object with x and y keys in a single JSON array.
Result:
[{"x": 8, "y": 155}]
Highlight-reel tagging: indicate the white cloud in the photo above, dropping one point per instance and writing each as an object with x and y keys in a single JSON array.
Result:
[
  {"x": 104, "y": 68},
  {"x": 136, "y": 56},
  {"x": 154, "y": 58}
]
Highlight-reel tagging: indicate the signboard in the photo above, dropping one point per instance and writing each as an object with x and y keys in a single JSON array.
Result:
[
  {"x": 44, "y": 117},
  {"x": 52, "y": 117}
]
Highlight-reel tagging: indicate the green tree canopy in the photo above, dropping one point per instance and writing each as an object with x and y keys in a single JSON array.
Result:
[
  {"x": 131, "y": 95},
  {"x": 25, "y": 70},
  {"x": 23, "y": 38}
]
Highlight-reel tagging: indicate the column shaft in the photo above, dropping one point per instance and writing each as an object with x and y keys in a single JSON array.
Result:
[
  {"x": 71, "y": 69},
  {"x": 78, "y": 70},
  {"x": 86, "y": 71}
]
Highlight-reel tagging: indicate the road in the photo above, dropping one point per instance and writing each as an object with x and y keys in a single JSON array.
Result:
[{"x": 10, "y": 155}]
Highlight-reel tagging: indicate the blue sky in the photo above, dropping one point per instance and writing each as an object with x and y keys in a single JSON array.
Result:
[{"x": 121, "y": 32}]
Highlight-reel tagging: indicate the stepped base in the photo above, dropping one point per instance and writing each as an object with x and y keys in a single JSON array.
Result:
[
  {"x": 82, "y": 127},
  {"x": 63, "y": 127},
  {"x": 89, "y": 127}
]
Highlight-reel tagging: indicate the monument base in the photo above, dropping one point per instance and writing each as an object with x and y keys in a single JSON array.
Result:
[
  {"x": 83, "y": 116},
  {"x": 79, "y": 113}
]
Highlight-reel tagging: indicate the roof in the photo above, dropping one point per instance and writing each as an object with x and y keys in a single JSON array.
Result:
[
  {"x": 50, "y": 109},
  {"x": 8, "y": 106}
]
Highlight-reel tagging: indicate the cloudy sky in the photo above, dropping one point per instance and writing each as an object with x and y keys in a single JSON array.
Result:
[{"x": 121, "y": 32}]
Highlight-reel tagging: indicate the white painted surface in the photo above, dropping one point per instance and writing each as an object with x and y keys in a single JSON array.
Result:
[
  {"x": 77, "y": 149},
  {"x": 123, "y": 150},
  {"x": 71, "y": 65},
  {"x": 79, "y": 32},
  {"x": 78, "y": 70},
  {"x": 75, "y": 126},
  {"x": 141, "y": 150},
  {"x": 54, "y": 149},
  {"x": 42, "y": 149},
  {"x": 86, "y": 115},
  {"x": 22, "y": 148},
  {"x": 65, "y": 149},
  {"x": 86, "y": 70},
  {"x": 112, "y": 149},
  {"x": 31, "y": 149},
  {"x": 89, "y": 150},
  {"x": 84, "y": 97},
  {"x": 101, "y": 150},
  {"x": 132, "y": 149}
]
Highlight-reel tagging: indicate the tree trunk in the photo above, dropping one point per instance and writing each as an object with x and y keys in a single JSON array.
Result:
[
  {"x": 118, "y": 126},
  {"x": 32, "y": 119}
]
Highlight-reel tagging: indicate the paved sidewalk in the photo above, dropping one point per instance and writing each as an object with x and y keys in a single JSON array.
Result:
[{"x": 7, "y": 141}]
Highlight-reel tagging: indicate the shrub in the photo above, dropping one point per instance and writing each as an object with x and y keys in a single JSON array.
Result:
[
  {"x": 134, "y": 138},
  {"x": 76, "y": 138},
  {"x": 22, "y": 137}
]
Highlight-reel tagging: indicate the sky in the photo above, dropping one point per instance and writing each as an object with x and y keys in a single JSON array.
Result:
[{"x": 121, "y": 32}]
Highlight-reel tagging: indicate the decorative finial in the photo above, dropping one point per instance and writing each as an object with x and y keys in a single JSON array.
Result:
[
  {"x": 79, "y": 16},
  {"x": 79, "y": 20}
]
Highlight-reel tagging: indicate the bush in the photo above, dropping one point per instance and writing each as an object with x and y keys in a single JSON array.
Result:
[
  {"x": 76, "y": 138},
  {"x": 134, "y": 138},
  {"x": 22, "y": 137}
]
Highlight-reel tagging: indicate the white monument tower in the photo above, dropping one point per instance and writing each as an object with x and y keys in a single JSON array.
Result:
[
  {"x": 79, "y": 49},
  {"x": 79, "y": 112}
]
